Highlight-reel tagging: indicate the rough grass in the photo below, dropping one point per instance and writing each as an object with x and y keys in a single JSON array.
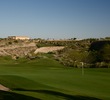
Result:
[{"x": 46, "y": 79}]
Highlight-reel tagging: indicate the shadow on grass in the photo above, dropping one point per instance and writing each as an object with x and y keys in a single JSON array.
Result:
[
  {"x": 60, "y": 94},
  {"x": 14, "y": 96}
]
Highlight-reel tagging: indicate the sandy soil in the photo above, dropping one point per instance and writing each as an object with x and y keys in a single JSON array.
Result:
[
  {"x": 48, "y": 49},
  {"x": 3, "y": 88}
]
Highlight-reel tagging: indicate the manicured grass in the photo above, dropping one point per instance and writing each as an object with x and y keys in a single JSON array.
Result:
[
  {"x": 46, "y": 79},
  {"x": 14, "y": 96}
]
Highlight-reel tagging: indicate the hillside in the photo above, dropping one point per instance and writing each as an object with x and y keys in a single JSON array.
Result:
[
  {"x": 92, "y": 52},
  {"x": 16, "y": 48}
]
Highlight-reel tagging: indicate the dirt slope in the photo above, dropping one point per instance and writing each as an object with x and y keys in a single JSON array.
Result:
[
  {"x": 48, "y": 49},
  {"x": 17, "y": 50}
]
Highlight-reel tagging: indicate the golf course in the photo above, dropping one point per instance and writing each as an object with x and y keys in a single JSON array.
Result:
[
  {"x": 54, "y": 49},
  {"x": 47, "y": 79}
]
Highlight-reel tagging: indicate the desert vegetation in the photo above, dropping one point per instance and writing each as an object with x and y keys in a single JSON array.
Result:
[{"x": 92, "y": 54}]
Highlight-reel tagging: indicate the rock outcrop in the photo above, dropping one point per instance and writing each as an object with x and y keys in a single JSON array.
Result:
[{"x": 18, "y": 50}]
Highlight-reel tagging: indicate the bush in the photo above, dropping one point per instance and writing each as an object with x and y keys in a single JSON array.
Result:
[{"x": 102, "y": 65}]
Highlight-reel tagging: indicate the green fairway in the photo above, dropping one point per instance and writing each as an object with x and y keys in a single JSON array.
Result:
[{"x": 46, "y": 79}]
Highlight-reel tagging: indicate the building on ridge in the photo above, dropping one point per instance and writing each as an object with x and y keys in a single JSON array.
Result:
[{"x": 19, "y": 37}]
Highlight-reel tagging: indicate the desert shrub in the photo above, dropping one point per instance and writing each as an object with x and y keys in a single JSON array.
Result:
[{"x": 71, "y": 57}]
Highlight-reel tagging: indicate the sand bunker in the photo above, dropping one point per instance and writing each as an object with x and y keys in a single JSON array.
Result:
[{"x": 3, "y": 88}]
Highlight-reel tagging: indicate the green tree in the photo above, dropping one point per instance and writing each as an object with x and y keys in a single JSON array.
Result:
[
  {"x": 104, "y": 53},
  {"x": 99, "y": 54}
]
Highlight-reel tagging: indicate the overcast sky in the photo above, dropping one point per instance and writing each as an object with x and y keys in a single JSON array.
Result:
[{"x": 55, "y": 18}]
